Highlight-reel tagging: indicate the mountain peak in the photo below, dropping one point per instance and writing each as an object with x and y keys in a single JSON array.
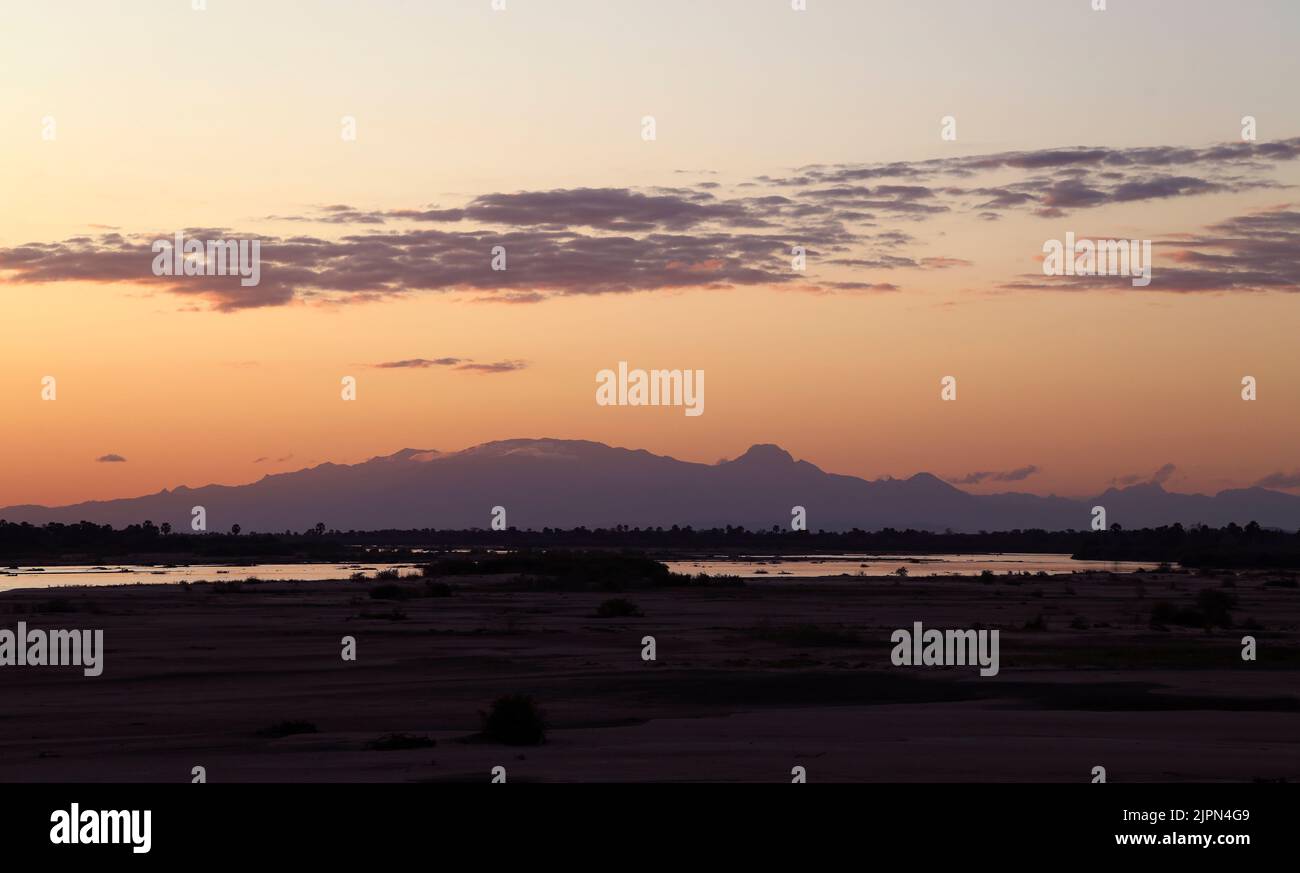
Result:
[
  {"x": 927, "y": 479},
  {"x": 766, "y": 454},
  {"x": 1140, "y": 488},
  {"x": 405, "y": 455},
  {"x": 569, "y": 483}
]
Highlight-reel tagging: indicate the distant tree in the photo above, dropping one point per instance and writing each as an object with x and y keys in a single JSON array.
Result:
[
  {"x": 234, "y": 529},
  {"x": 320, "y": 528},
  {"x": 166, "y": 528}
]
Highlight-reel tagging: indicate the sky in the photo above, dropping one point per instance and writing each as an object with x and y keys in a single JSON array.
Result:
[{"x": 126, "y": 122}]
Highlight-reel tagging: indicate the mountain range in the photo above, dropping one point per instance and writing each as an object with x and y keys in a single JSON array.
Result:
[{"x": 571, "y": 483}]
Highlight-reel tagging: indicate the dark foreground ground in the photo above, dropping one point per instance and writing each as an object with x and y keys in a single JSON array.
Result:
[{"x": 750, "y": 681}]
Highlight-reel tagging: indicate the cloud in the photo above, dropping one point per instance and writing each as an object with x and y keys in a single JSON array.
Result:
[
  {"x": 1280, "y": 480},
  {"x": 851, "y": 287},
  {"x": 418, "y": 363},
  {"x": 497, "y": 367},
  {"x": 944, "y": 263},
  {"x": 614, "y": 209},
  {"x": 623, "y": 210},
  {"x": 542, "y": 264},
  {"x": 1163, "y": 475},
  {"x": 111, "y": 459},
  {"x": 599, "y": 241},
  {"x": 1256, "y": 252},
  {"x": 1159, "y": 477},
  {"x": 1049, "y": 182},
  {"x": 463, "y": 364},
  {"x": 1110, "y": 163},
  {"x": 1017, "y": 475}
]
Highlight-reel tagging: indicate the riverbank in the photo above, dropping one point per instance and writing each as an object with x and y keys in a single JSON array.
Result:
[{"x": 247, "y": 680}]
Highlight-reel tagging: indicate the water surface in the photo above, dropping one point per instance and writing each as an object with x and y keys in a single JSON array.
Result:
[
  {"x": 802, "y": 566},
  {"x": 882, "y": 565},
  {"x": 34, "y": 576}
]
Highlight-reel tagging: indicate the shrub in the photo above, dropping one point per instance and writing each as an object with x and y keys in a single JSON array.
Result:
[
  {"x": 515, "y": 720},
  {"x": 1213, "y": 609},
  {"x": 618, "y": 608},
  {"x": 1217, "y": 606}
]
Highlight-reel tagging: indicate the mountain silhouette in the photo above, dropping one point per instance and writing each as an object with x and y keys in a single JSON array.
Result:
[{"x": 572, "y": 483}]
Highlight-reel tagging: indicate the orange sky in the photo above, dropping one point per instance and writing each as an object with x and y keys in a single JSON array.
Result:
[{"x": 1086, "y": 385}]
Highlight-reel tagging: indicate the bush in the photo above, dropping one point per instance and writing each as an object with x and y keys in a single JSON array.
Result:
[
  {"x": 1217, "y": 607},
  {"x": 618, "y": 608},
  {"x": 515, "y": 720},
  {"x": 1213, "y": 609}
]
